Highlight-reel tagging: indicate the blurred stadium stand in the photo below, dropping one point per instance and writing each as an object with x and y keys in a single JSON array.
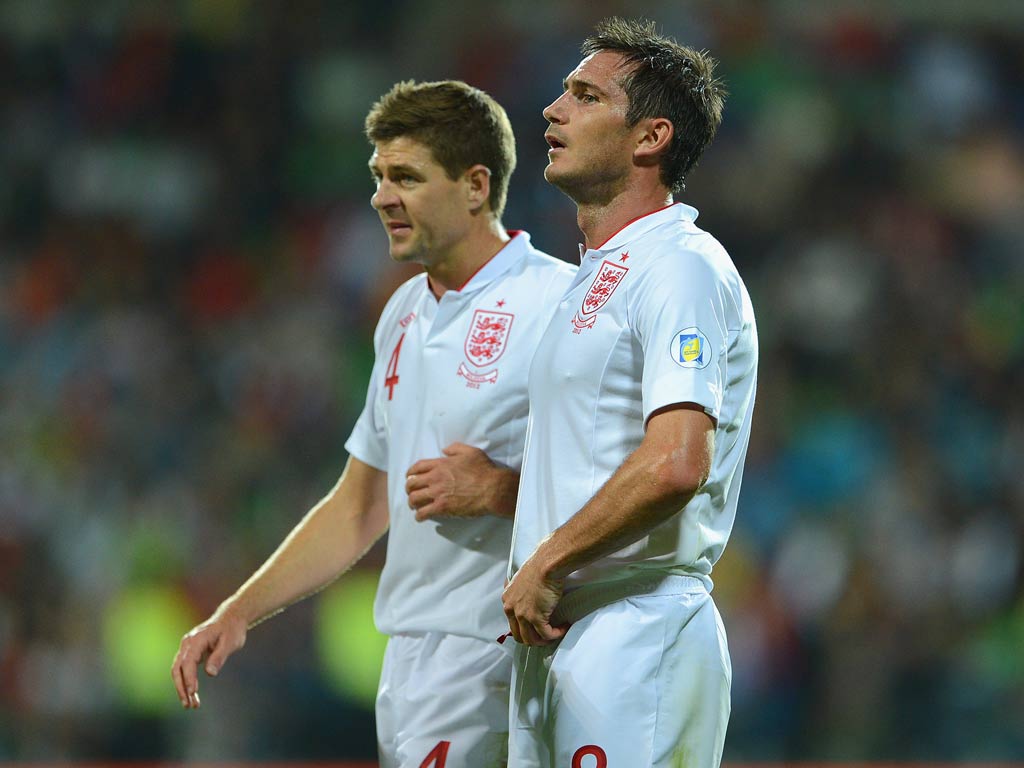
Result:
[{"x": 190, "y": 274}]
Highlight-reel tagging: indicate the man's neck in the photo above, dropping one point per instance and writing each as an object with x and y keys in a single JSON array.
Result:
[
  {"x": 599, "y": 221},
  {"x": 454, "y": 269}
]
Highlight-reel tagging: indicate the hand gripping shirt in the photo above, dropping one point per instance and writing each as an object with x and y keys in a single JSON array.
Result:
[
  {"x": 450, "y": 371},
  {"x": 657, "y": 315}
]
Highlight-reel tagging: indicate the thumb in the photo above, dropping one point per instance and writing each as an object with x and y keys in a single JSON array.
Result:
[
  {"x": 218, "y": 656},
  {"x": 456, "y": 448},
  {"x": 549, "y": 632},
  {"x": 213, "y": 666}
]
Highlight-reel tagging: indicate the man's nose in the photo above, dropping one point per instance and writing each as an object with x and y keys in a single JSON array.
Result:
[
  {"x": 553, "y": 111},
  {"x": 384, "y": 196}
]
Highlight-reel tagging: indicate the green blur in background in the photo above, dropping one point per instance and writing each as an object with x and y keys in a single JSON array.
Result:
[{"x": 190, "y": 275}]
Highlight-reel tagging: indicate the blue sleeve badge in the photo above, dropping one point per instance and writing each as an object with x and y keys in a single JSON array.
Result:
[{"x": 690, "y": 348}]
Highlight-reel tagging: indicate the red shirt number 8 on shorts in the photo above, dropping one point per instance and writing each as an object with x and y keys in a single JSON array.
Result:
[{"x": 592, "y": 750}]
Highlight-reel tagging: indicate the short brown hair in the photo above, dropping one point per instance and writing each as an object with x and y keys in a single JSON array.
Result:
[
  {"x": 461, "y": 125},
  {"x": 666, "y": 80}
]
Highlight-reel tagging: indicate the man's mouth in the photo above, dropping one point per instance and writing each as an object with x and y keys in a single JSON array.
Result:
[
  {"x": 397, "y": 227},
  {"x": 554, "y": 142}
]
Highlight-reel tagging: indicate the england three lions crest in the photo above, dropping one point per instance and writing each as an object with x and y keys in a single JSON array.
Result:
[
  {"x": 604, "y": 285},
  {"x": 485, "y": 343}
]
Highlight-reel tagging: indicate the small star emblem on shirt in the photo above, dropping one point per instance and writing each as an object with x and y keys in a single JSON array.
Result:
[
  {"x": 501, "y": 302},
  {"x": 624, "y": 256}
]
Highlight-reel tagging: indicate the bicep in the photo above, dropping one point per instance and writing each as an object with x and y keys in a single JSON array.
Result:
[
  {"x": 680, "y": 439},
  {"x": 364, "y": 489}
]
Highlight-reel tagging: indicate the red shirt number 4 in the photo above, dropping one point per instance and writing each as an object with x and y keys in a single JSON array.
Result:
[
  {"x": 439, "y": 754},
  {"x": 391, "y": 374}
]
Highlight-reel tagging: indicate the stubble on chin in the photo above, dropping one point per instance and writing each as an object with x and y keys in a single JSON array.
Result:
[
  {"x": 595, "y": 188},
  {"x": 566, "y": 183},
  {"x": 405, "y": 251},
  {"x": 402, "y": 255}
]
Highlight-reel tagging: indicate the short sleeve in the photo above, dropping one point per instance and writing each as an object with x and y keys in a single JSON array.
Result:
[
  {"x": 680, "y": 309},
  {"x": 368, "y": 441}
]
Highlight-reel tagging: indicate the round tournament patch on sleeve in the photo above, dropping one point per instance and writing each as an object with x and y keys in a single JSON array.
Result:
[{"x": 690, "y": 348}]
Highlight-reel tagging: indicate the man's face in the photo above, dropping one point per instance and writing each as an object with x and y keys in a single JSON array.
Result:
[
  {"x": 591, "y": 147},
  {"x": 423, "y": 211}
]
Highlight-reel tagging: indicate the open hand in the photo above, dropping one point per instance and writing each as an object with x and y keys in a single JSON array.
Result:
[{"x": 215, "y": 639}]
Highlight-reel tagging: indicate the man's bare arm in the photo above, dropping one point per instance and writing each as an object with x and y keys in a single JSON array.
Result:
[
  {"x": 332, "y": 536},
  {"x": 653, "y": 483}
]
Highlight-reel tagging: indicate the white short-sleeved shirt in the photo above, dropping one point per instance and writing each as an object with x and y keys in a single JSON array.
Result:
[
  {"x": 657, "y": 315},
  {"x": 450, "y": 371}
]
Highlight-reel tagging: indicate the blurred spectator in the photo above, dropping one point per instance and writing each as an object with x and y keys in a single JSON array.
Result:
[{"x": 189, "y": 278}]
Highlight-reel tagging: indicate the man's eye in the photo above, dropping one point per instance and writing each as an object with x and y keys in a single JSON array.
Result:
[{"x": 588, "y": 98}]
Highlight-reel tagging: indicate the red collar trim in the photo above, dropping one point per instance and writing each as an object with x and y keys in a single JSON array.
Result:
[
  {"x": 633, "y": 221},
  {"x": 512, "y": 235}
]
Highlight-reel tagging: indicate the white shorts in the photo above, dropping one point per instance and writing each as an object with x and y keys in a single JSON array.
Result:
[
  {"x": 642, "y": 681},
  {"x": 443, "y": 703}
]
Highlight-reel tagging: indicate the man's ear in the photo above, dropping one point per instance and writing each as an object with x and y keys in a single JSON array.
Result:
[
  {"x": 478, "y": 185},
  {"x": 655, "y": 135}
]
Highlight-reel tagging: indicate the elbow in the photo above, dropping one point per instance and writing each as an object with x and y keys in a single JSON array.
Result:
[
  {"x": 679, "y": 481},
  {"x": 678, "y": 457}
]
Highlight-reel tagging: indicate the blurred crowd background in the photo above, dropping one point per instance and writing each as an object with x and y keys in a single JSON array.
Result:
[{"x": 190, "y": 273}]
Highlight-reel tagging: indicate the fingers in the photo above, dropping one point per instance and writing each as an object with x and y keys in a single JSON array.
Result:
[
  {"x": 216, "y": 640},
  {"x": 188, "y": 700},
  {"x": 513, "y": 626},
  {"x": 428, "y": 512},
  {"x": 539, "y": 633},
  {"x": 419, "y": 480},
  {"x": 184, "y": 672},
  {"x": 420, "y": 499},
  {"x": 529, "y": 633},
  {"x": 528, "y": 607},
  {"x": 190, "y": 679},
  {"x": 178, "y": 677},
  {"x": 426, "y": 500},
  {"x": 421, "y": 467},
  {"x": 414, "y": 483},
  {"x": 551, "y": 634}
]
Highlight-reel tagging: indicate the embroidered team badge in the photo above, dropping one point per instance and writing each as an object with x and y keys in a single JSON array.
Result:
[
  {"x": 604, "y": 285},
  {"x": 485, "y": 343},
  {"x": 690, "y": 348}
]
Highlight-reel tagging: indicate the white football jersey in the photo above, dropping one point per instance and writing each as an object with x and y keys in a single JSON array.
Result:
[
  {"x": 657, "y": 315},
  {"x": 450, "y": 371}
]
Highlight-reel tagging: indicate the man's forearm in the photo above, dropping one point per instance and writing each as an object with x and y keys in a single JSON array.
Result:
[
  {"x": 623, "y": 511},
  {"x": 332, "y": 537},
  {"x": 654, "y": 482}
]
